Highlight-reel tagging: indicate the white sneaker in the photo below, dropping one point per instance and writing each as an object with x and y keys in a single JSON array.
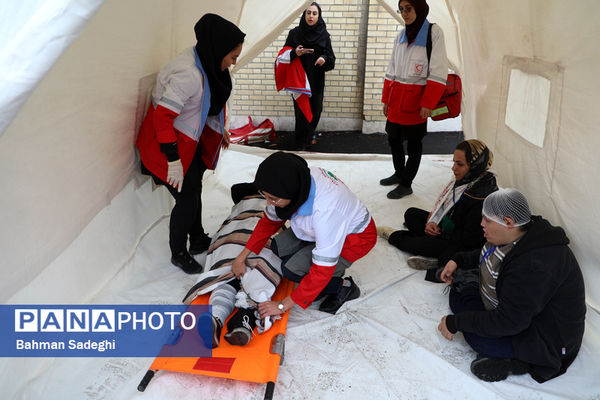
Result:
[
  {"x": 422, "y": 263},
  {"x": 385, "y": 232}
]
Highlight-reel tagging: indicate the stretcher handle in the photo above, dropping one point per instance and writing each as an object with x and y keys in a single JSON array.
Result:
[
  {"x": 278, "y": 346},
  {"x": 146, "y": 380},
  {"x": 270, "y": 391}
]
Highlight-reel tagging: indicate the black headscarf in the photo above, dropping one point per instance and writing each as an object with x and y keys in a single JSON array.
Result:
[
  {"x": 216, "y": 37},
  {"x": 422, "y": 10},
  {"x": 284, "y": 175},
  {"x": 311, "y": 36},
  {"x": 241, "y": 190}
]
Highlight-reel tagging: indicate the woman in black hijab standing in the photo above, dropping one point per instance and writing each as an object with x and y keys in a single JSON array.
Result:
[
  {"x": 183, "y": 130},
  {"x": 312, "y": 44}
]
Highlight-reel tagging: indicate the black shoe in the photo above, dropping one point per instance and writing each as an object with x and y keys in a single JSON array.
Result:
[
  {"x": 239, "y": 336},
  {"x": 390, "y": 180},
  {"x": 496, "y": 369},
  {"x": 422, "y": 263},
  {"x": 333, "y": 302},
  {"x": 199, "y": 245},
  {"x": 399, "y": 192},
  {"x": 240, "y": 327},
  {"x": 186, "y": 262}
]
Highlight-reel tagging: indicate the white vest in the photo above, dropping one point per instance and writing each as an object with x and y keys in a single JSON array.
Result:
[
  {"x": 180, "y": 88},
  {"x": 331, "y": 213}
]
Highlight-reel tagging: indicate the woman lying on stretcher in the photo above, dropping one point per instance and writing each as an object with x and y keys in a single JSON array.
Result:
[{"x": 227, "y": 292}]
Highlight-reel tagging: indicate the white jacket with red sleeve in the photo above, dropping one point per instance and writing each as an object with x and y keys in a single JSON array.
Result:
[
  {"x": 411, "y": 82},
  {"x": 329, "y": 215}
]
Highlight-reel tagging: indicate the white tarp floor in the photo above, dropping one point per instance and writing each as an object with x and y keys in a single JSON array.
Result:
[{"x": 384, "y": 345}]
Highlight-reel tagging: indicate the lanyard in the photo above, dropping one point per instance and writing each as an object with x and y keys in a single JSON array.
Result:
[
  {"x": 487, "y": 254},
  {"x": 454, "y": 195}
]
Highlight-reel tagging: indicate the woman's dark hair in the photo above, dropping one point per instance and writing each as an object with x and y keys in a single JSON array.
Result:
[
  {"x": 314, "y": 3},
  {"x": 464, "y": 146}
]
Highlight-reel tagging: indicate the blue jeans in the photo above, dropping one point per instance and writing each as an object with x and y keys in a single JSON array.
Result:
[{"x": 469, "y": 299}]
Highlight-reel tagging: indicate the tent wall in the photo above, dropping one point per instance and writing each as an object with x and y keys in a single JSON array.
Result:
[
  {"x": 69, "y": 151},
  {"x": 557, "y": 41}
]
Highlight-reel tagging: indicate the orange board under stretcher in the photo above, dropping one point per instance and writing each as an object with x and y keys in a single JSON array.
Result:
[{"x": 253, "y": 362}]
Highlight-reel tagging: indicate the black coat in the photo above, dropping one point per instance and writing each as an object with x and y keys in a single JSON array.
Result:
[
  {"x": 315, "y": 74},
  {"x": 466, "y": 214},
  {"x": 541, "y": 301}
]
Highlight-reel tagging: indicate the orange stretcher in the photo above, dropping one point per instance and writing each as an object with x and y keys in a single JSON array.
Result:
[{"x": 258, "y": 361}]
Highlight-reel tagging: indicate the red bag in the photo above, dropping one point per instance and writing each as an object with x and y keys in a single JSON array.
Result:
[
  {"x": 252, "y": 134},
  {"x": 449, "y": 104},
  {"x": 210, "y": 142}
]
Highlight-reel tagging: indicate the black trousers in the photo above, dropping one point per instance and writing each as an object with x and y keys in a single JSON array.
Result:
[
  {"x": 305, "y": 130},
  {"x": 413, "y": 134},
  {"x": 416, "y": 241},
  {"x": 186, "y": 216},
  {"x": 469, "y": 299}
]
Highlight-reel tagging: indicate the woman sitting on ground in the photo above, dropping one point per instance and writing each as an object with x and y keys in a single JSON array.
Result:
[{"x": 454, "y": 223}]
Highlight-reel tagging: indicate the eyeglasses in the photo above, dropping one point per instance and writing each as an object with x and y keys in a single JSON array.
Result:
[
  {"x": 406, "y": 10},
  {"x": 269, "y": 199}
]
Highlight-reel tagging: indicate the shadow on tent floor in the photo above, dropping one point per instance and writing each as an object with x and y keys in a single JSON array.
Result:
[{"x": 354, "y": 142}]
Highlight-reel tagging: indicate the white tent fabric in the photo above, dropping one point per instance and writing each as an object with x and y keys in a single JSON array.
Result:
[
  {"x": 29, "y": 48},
  {"x": 384, "y": 345},
  {"x": 74, "y": 216}
]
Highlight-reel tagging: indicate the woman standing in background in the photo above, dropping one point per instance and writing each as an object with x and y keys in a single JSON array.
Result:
[
  {"x": 414, "y": 83},
  {"x": 312, "y": 44}
]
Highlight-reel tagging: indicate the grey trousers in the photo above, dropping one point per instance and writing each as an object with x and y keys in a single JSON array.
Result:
[{"x": 300, "y": 254}]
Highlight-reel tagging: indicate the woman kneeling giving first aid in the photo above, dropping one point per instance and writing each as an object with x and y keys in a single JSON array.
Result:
[{"x": 330, "y": 229}]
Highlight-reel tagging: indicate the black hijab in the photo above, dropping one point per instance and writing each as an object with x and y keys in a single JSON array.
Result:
[
  {"x": 311, "y": 36},
  {"x": 284, "y": 175},
  {"x": 216, "y": 37},
  {"x": 422, "y": 10}
]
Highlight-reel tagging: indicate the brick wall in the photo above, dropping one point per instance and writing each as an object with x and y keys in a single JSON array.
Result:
[
  {"x": 362, "y": 35},
  {"x": 383, "y": 28},
  {"x": 352, "y": 89}
]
